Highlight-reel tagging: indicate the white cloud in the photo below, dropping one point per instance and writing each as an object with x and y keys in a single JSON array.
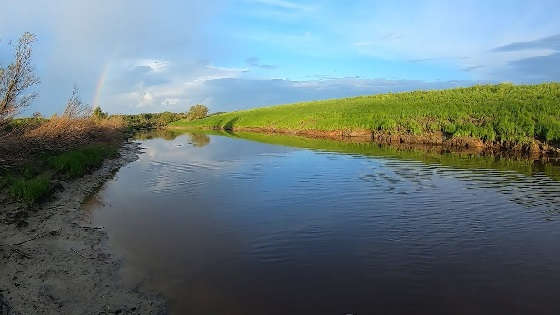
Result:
[{"x": 155, "y": 65}]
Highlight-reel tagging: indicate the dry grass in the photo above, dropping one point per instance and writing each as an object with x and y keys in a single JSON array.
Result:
[{"x": 58, "y": 134}]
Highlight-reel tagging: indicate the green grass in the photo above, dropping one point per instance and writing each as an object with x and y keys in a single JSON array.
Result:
[
  {"x": 77, "y": 163},
  {"x": 32, "y": 182},
  {"x": 503, "y": 112},
  {"x": 30, "y": 190}
]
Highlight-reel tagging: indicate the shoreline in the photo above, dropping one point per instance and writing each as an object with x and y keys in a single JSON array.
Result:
[
  {"x": 535, "y": 150},
  {"x": 59, "y": 263}
]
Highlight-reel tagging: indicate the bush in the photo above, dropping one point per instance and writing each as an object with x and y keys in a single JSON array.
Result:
[
  {"x": 449, "y": 128},
  {"x": 150, "y": 120},
  {"x": 98, "y": 113},
  {"x": 197, "y": 112}
]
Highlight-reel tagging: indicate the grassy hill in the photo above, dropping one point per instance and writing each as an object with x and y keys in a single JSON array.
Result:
[{"x": 490, "y": 113}]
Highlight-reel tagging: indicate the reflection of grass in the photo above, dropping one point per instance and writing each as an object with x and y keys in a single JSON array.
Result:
[
  {"x": 198, "y": 138},
  {"x": 456, "y": 160},
  {"x": 449, "y": 159},
  {"x": 502, "y": 112}
]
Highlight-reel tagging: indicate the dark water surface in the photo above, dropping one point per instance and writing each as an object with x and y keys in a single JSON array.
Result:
[{"x": 285, "y": 225}]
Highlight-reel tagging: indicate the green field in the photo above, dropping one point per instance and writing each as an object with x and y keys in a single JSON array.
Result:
[{"x": 503, "y": 112}]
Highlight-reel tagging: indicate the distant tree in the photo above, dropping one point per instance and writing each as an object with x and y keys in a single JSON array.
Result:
[
  {"x": 16, "y": 78},
  {"x": 197, "y": 112},
  {"x": 37, "y": 115},
  {"x": 98, "y": 113},
  {"x": 75, "y": 108}
]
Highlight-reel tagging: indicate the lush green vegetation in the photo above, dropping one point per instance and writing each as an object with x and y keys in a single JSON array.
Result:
[
  {"x": 32, "y": 181},
  {"x": 503, "y": 112},
  {"x": 78, "y": 162},
  {"x": 151, "y": 120},
  {"x": 159, "y": 120},
  {"x": 30, "y": 190}
]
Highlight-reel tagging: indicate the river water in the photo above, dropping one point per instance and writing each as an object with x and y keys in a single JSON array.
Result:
[{"x": 257, "y": 224}]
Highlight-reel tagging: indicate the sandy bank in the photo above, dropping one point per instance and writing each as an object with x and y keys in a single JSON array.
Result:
[{"x": 53, "y": 261}]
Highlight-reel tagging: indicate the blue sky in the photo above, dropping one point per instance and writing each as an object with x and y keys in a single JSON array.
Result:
[{"x": 140, "y": 56}]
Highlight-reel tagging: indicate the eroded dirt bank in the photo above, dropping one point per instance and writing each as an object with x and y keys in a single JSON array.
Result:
[{"x": 53, "y": 261}]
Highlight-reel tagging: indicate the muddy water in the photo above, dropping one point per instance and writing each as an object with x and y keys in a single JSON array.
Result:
[{"x": 253, "y": 224}]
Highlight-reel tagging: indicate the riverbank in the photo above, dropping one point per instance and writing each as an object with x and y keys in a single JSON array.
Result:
[
  {"x": 494, "y": 118},
  {"x": 59, "y": 263}
]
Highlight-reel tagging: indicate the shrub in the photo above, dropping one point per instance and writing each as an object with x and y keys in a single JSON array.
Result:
[
  {"x": 98, "y": 113},
  {"x": 197, "y": 112},
  {"x": 150, "y": 120},
  {"x": 449, "y": 128}
]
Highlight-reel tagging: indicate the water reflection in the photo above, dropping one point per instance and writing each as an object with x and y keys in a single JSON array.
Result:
[
  {"x": 198, "y": 139},
  {"x": 256, "y": 224}
]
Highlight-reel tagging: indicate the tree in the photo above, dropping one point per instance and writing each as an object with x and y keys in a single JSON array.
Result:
[
  {"x": 197, "y": 112},
  {"x": 75, "y": 108},
  {"x": 98, "y": 113},
  {"x": 16, "y": 78}
]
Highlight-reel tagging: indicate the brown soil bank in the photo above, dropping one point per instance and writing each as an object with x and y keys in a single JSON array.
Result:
[
  {"x": 59, "y": 263},
  {"x": 536, "y": 149}
]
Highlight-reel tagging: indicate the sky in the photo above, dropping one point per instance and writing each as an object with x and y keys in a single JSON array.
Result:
[{"x": 131, "y": 56}]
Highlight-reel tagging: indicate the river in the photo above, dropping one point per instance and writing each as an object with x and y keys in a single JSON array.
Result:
[{"x": 260, "y": 224}]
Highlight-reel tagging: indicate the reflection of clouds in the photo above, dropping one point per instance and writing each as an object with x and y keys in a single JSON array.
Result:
[
  {"x": 184, "y": 163},
  {"x": 187, "y": 165},
  {"x": 538, "y": 191}
]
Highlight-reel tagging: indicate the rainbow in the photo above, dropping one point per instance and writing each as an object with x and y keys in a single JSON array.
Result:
[{"x": 99, "y": 85}]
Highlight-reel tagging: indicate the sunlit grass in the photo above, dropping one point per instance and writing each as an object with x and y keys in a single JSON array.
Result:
[
  {"x": 503, "y": 112},
  {"x": 78, "y": 162}
]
